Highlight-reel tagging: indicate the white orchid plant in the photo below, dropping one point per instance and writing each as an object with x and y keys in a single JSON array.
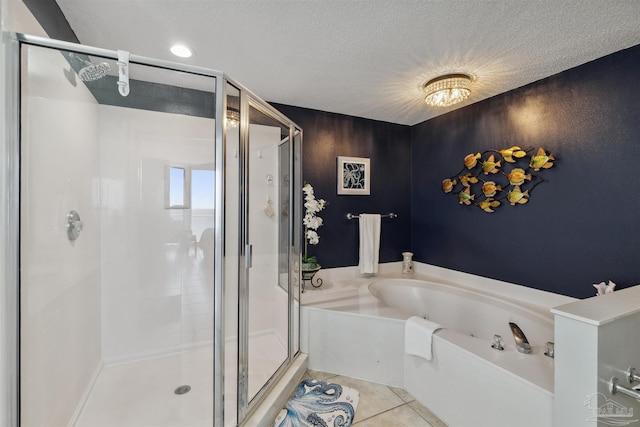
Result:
[
  {"x": 603, "y": 288},
  {"x": 311, "y": 221}
]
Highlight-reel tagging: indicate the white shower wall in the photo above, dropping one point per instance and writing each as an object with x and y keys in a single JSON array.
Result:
[
  {"x": 110, "y": 295},
  {"x": 267, "y": 315},
  {"x": 157, "y": 289},
  {"x": 268, "y": 302},
  {"x": 60, "y": 280},
  {"x": 151, "y": 304}
]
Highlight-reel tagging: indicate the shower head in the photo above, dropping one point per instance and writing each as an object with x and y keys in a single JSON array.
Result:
[{"x": 91, "y": 72}]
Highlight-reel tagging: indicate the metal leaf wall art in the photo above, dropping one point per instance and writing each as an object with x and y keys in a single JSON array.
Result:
[{"x": 495, "y": 177}]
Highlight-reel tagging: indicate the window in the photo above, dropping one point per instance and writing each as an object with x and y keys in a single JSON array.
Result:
[{"x": 178, "y": 187}]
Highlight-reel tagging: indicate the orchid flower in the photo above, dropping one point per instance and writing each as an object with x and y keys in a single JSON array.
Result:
[
  {"x": 604, "y": 288},
  {"x": 310, "y": 220}
]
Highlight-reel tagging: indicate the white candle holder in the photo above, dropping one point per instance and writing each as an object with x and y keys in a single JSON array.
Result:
[{"x": 407, "y": 263}]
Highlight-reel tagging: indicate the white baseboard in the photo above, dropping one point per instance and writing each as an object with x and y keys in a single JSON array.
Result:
[{"x": 133, "y": 357}]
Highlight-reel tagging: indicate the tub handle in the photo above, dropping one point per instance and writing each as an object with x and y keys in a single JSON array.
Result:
[
  {"x": 496, "y": 342},
  {"x": 549, "y": 349},
  {"x": 632, "y": 376},
  {"x": 614, "y": 388}
]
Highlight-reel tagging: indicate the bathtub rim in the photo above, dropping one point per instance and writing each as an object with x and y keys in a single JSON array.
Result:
[
  {"x": 542, "y": 314},
  {"x": 517, "y": 293}
]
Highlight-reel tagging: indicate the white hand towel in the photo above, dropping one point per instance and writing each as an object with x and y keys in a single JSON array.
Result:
[
  {"x": 369, "y": 243},
  {"x": 418, "y": 333}
]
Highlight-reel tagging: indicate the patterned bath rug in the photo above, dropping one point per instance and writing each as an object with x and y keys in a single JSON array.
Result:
[{"x": 319, "y": 404}]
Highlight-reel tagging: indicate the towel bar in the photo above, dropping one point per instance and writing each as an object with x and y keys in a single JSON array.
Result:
[{"x": 389, "y": 215}]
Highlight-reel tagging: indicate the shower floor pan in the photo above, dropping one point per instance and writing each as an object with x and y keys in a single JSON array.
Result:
[{"x": 143, "y": 392}]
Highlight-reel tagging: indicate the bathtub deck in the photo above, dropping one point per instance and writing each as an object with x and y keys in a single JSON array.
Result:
[{"x": 350, "y": 296}]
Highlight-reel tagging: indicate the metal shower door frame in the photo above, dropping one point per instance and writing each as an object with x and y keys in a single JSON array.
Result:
[
  {"x": 9, "y": 232},
  {"x": 10, "y": 171},
  {"x": 10, "y": 119},
  {"x": 246, "y": 406}
]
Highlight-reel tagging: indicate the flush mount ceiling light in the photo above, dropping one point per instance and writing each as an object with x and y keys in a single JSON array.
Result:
[
  {"x": 181, "y": 50},
  {"x": 447, "y": 90}
]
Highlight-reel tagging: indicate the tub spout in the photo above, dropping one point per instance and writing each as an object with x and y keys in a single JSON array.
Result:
[{"x": 522, "y": 344}]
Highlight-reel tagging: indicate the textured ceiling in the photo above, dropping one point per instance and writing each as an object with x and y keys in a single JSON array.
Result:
[{"x": 365, "y": 58}]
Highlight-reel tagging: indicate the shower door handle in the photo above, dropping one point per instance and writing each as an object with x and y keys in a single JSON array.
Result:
[{"x": 248, "y": 249}]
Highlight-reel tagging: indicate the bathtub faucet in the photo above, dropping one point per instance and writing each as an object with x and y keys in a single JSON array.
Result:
[{"x": 522, "y": 344}]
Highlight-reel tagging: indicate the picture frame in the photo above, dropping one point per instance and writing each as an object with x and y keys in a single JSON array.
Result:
[{"x": 354, "y": 176}]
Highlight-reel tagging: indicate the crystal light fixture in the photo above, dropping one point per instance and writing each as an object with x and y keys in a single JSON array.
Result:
[
  {"x": 447, "y": 90},
  {"x": 233, "y": 118}
]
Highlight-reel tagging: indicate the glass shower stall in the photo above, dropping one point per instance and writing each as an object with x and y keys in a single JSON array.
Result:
[{"x": 153, "y": 239}]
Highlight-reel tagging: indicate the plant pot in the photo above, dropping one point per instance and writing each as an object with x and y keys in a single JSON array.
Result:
[
  {"x": 310, "y": 266},
  {"x": 309, "y": 270}
]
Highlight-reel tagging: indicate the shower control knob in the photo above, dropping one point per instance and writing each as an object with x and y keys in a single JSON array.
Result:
[{"x": 74, "y": 225}]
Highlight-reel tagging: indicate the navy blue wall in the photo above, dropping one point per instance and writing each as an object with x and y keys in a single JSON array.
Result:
[
  {"x": 581, "y": 227},
  {"x": 327, "y": 136}
]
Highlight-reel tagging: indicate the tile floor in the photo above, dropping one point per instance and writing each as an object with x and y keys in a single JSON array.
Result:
[{"x": 381, "y": 405}]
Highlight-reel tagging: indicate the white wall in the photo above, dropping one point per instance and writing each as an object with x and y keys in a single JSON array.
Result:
[
  {"x": 596, "y": 339},
  {"x": 157, "y": 292},
  {"x": 60, "y": 280}
]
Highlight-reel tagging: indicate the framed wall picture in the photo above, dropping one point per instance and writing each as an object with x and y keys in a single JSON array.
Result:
[{"x": 354, "y": 176}]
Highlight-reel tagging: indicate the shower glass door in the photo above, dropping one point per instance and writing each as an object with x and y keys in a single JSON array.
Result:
[
  {"x": 117, "y": 243},
  {"x": 160, "y": 237},
  {"x": 268, "y": 218}
]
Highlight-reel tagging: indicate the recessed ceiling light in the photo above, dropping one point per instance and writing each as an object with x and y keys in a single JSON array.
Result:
[{"x": 181, "y": 50}]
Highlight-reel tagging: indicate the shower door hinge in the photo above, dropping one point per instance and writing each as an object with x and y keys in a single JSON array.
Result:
[
  {"x": 248, "y": 249},
  {"x": 123, "y": 72}
]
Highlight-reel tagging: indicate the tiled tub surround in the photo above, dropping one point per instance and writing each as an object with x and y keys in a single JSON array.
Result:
[{"x": 354, "y": 333}]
